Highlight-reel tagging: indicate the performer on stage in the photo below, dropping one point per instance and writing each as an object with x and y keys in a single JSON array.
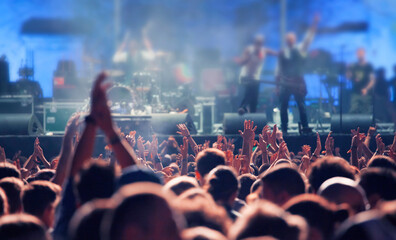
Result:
[
  {"x": 252, "y": 63},
  {"x": 363, "y": 79},
  {"x": 290, "y": 76}
]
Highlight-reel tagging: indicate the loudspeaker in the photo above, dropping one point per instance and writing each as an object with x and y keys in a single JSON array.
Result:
[
  {"x": 165, "y": 123},
  {"x": 140, "y": 124},
  {"x": 351, "y": 121},
  {"x": 233, "y": 122},
  {"x": 20, "y": 124}
]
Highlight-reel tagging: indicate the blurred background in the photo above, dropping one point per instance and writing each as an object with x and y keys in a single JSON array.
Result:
[{"x": 174, "y": 55}]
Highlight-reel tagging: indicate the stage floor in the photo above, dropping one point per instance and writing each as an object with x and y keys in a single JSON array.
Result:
[{"x": 52, "y": 144}]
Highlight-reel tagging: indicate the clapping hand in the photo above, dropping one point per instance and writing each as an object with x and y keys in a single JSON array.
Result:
[
  {"x": 99, "y": 107},
  {"x": 131, "y": 139},
  {"x": 380, "y": 144},
  {"x": 318, "y": 148}
]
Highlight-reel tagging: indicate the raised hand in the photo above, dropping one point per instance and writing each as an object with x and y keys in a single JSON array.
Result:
[
  {"x": 262, "y": 144},
  {"x": 140, "y": 147},
  {"x": 380, "y": 144},
  {"x": 184, "y": 154},
  {"x": 283, "y": 152},
  {"x": 329, "y": 145},
  {"x": 183, "y": 130},
  {"x": 131, "y": 138},
  {"x": 272, "y": 138},
  {"x": 153, "y": 148},
  {"x": 72, "y": 125},
  {"x": 184, "y": 148},
  {"x": 99, "y": 109},
  {"x": 265, "y": 133},
  {"x": 248, "y": 131},
  {"x": 318, "y": 148},
  {"x": 306, "y": 149},
  {"x": 371, "y": 131},
  {"x": 198, "y": 148}
]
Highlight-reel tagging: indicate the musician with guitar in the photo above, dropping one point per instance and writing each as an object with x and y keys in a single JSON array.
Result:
[{"x": 290, "y": 76}]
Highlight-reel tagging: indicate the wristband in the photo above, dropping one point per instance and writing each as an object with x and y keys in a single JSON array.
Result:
[
  {"x": 90, "y": 120},
  {"x": 114, "y": 140}
]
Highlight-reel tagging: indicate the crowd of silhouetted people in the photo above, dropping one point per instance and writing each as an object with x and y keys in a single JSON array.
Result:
[{"x": 141, "y": 189}]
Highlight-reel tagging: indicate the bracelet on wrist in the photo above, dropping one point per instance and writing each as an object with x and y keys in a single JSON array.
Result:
[
  {"x": 90, "y": 120},
  {"x": 114, "y": 140}
]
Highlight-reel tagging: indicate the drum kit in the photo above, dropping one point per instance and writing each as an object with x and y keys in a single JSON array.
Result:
[{"x": 139, "y": 94}]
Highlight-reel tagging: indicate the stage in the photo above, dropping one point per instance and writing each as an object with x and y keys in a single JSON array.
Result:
[{"x": 52, "y": 144}]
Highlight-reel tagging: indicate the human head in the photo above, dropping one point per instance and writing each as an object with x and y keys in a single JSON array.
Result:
[
  {"x": 282, "y": 183},
  {"x": 45, "y": 174},
  {"x": 136, "y": 173},
  {"x": 361, "y": 54},
  {"x": 278, "y": 223},
  {"x": 86, "y": 221},
  {"x": 291, "y": 39},
  {"x": 341, "y": 190},
  {"x": 222, "y": 183},
  {"x": 22, "y": 227},
  {"x": 326, "y": 168},
  {"x": 379, "y": 185},
  {"x": 9, "y": 170},
  {"x": 320, "y": 215},
  {"x": 153, "y": 217},
  {"x": 246, "y": 180},
  {"x": 180, "y": 184},
  {"x": 382, "y": 161},
  {"x": 96, "y": 180},
  {"x": 199, "y": 210},
  {"x": 207, "y": 160},
  {"x": 40, "y": 198},
  {"x": 12, "y": 187}
]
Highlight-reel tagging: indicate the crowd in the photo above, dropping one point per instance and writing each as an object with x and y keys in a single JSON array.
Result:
[{"x": 145, "y": 190}]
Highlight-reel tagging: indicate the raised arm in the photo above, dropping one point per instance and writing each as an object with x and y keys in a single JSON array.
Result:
[
  {"x": 248, "y": 140},
  {"x": 100, "y": 113},
  {"x": 311, "y": 33},
  {"x": 66, "y": 150},
  {"x": 183, "y": 130}
]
